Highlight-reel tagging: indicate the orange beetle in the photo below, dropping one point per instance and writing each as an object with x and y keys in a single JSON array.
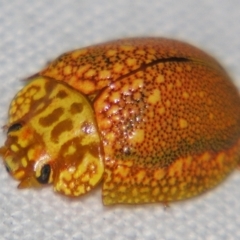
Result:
[{"x": 157, "y": 120}]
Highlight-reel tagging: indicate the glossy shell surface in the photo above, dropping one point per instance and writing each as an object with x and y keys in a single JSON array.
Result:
[{"x": 157, "y": 120}]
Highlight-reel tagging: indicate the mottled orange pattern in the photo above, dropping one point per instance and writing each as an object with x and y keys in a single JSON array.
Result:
[{"x": 167, "y": 113}]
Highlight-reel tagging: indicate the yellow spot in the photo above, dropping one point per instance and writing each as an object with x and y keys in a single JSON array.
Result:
[
  {"x": 20, "y": 100},
  {"x": 137, "y": 83},
  {"x": 169, "y": 72},
  {"x": 118, "y": 179},
  {"x": 211, "y": 116},
  {"x": 35, "y": 97},
  {"x": 111, "y": 52},
  {"x": 14, "y": 148},
  {"x": 188, "y": 161},
  {"x": 73, "y": 78},
  {"x": 200, "y": 189},
  {"x": 163, "y": 143},
  {"x": 137, "y": 96},
  {"x": 66, "y": 175},
  {"x": 161, "y": 110},
  {"x": 113, "y": 195},
  {"x": 67, "y": 70},
  {"x": 206, "y": 156},
  {"x": 155, "y": 97},
  {"x": 123, "y": 198},
  {"x": 90, "y": 73},
  {"x": 140, "y": 52},
  {"x": 24, "y": 162},
  {"x": 126, "y": 89},
  {"x": 67, "y": 191},
  {"x": 115, "y": 97},
  {"x": 202, "y": 94},
  {"x": 155, "y": 191},
  {"x": 160, "y": 198},
  {"x": 138, "y": 136},
  {"x": 113, "y": 110},
  {"x": 165, "y": 189},
  {"x": 40, "y": 106},
  {"x": 178, "y": 166},
  {"x": 105, "y": 123},
  {"x": 30, "y": 155},
  {"x": 169, "y": 86},
  {"x": 131, "y": 61},
  {"x": 110, "y": 137},
  {"x": 183, "y": 123},
  {"x": 161, "y": 66},
  {"x": 127, "y": 48},
  {"x": 189, "y": 68},
  {"x": 88, "y": 86},
  {"x": 19, "y": 175},
  {"x": 144, "y": 190},
  {"x": 61, "y": 185},
  {"x": 118, "y": 67},
  {"x": 85, "y": 178},
  {"x": 77, "y": 53},
  {"x": 71, "y": 150},
  {"x": 122, "y": 171},
  {"x": 140, "y": 176},
  {"x": 83, "y": 69},
  {"x": 220, "y": 158},
  {"x": 122, "y": 189},
  {"x": 185, "y": 95},
  {"x": 159, "y": 174},
  {"x": 13, "y": 109},
  {"x": 160, "y": 79},
  {"x": 168, "y": 103},
  {"x": 140, "y": 74},
  {"x": 146, "y": 181},
  {"x": 172, "y": 181},
  {"x": 163, "y": 182},
  {"x": 182, "y": 186},
  {"x": 71, "y": 185},
  {"x": 179, "y": 69},
  {"x": 178, "y": 83},
  {"x": 135, "y": 192},
  {"x": 104, "y": 74},
  {"x": 173, "y": 190},
  {"x": 209, "y": 102}
]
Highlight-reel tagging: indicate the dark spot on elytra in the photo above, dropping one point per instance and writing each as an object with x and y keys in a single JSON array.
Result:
[
  {"x": 76, "y": 108},
  {"x": 94, "y": 149},
  {"x": 75, "y": 158},
  {"x": 49, "y": 86},
  {"x": 51, "y": 118},
  {"x": 63, "y": 126},
  {"x": 61, "y": 94}
]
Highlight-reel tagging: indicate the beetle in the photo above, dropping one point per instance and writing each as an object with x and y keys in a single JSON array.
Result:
[{"x": 154, "y": 119}]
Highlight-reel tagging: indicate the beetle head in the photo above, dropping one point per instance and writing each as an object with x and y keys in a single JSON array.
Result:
[{"x": 52, "y": 138}]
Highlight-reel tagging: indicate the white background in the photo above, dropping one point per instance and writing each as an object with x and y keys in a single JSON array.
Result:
[{"x": 34, "y": 32}]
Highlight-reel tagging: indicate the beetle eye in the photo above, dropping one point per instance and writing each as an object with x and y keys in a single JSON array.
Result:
[
  {"x": 14, "y": 127},
  {"x": 45, "y": 174}
]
